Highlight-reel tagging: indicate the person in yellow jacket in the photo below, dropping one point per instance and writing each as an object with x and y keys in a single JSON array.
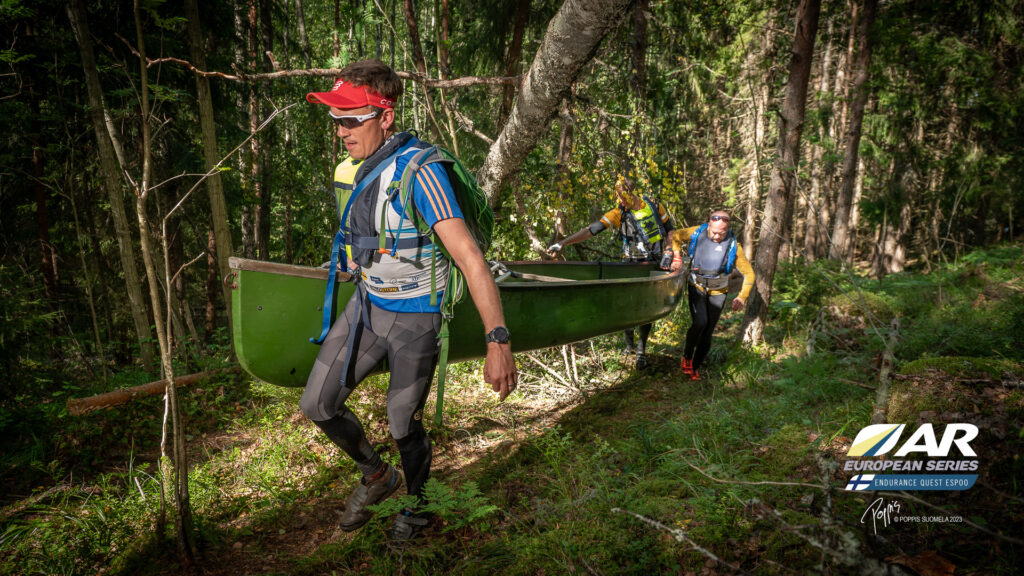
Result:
[
  {"x": 645, "y": 227},
  {"x": 713, "y": 253}
]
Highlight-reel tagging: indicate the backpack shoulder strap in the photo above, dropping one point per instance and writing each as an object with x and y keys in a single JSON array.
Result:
[{"x": 730, "y": 259}]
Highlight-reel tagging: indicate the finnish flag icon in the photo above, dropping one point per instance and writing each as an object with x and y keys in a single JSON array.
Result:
[{"x": 860, "y": 482}]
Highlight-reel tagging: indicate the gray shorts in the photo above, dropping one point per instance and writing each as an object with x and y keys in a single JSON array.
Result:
[{"x": 407, "y": 340}]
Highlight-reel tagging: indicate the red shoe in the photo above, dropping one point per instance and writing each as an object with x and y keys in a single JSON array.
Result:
[
  {"x": 686, "y": 365},
  {"x": 694, "y": 374}
]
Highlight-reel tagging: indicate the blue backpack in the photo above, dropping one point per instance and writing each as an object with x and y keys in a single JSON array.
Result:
[{"x": 730, "y": 258}]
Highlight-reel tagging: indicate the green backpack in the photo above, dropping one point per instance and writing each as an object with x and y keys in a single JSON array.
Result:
[{"x": 479, "y": 220}]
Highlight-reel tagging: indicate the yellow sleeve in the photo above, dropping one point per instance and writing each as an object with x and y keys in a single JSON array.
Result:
[
  {"x": 663, "y": 214},
  {"x": 682, "y": 236},
  {"x": 743, "y": 267},
  {"x": 613, "y": 218}
]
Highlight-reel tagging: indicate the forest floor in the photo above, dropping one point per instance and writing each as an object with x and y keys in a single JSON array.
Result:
[{"x": 592, "y": 467}]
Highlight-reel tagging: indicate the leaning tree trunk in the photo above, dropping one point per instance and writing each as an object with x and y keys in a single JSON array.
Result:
[
  {"x": 111, "y": 180},
  {"x": 571, "y": 39},
  {"x": 778, "y": 209},
  {"x": 214, "y": 185},
  {"x": 842, "y": 234}
]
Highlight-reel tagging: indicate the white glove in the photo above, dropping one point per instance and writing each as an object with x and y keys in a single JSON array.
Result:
[{"x": 556, "y": 247}]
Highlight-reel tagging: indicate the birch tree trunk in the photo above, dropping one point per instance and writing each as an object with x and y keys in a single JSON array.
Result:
[
  {"x": 112, "y": 182},
  {"x": 214, "y": 184},
  {"x": 778, "y": 210},
  {"x": 842, "y": 232},
  {"x": 572, "y": 37}
]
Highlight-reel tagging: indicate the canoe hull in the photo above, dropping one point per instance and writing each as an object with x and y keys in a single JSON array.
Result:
[{"x": 276, "y": 308}]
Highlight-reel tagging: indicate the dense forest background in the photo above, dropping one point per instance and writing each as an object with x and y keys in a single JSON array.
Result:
[
  {"x": 861, "y": 138},
  {"x": 685, "y": 98}
]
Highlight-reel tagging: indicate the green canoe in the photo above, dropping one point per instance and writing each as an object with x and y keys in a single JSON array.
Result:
[{"x": 276, "y": 309}]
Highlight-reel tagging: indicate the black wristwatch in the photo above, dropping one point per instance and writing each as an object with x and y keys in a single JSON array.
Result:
[{"x": 499, "y": 335}]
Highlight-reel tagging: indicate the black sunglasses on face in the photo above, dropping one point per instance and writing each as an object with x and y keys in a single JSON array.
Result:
[{"x": 350, "y": 122}]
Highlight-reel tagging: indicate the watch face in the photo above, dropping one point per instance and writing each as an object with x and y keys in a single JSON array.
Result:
[{"x": 499, "y": 335}]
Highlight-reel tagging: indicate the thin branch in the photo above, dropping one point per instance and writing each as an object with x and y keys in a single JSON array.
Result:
[
  {"x": 216, "y": 167},
  {"x": 548, "y": 369},
  {"x": 680, "y": 536},
  {"x": 467, "y": 124},
  {"x": 183, "y": 266},
  {"x": 761, "y": 483},
  {"x": 241, "y": 76}
]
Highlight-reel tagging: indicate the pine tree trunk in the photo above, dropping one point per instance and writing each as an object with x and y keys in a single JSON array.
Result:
[
  {"x": 268, "y": 139},
  {"x": 87, "y": 278},
  {"x": 303, "y": 39},
  {"x": 637, "y": 82},
  {"x": 214, "y": 184},
  {"x": 213, "y": 286},
  {"x": 112, "y": 182},
  {"x": 421, "y": 65},
  {"x": 778, "y": 210},
  {"x": 760, "y": 94},
  {"x": 572, "y": 37},
  {"x": 443, "y": 15},
  {"x": 47, "y": 265},
  {"x": 842, "y": 231},
  {"x": 246, "y": 159},
  {"x": 512, "y": 57}
]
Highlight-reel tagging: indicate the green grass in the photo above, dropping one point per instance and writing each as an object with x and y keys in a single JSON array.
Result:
[{"x": 555, "y": 499}]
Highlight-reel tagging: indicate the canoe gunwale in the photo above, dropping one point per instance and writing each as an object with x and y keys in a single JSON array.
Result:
[{"x": 316, "y": 273}]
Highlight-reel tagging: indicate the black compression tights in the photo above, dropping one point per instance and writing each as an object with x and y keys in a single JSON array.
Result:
[
  {"x": 345, "y": 430},
  {"x": 704, "y": 312},
  {"x": 416, "y": 457}
]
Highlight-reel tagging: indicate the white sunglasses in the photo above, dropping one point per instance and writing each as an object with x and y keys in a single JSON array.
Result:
[{"x": 350, "y": 122}]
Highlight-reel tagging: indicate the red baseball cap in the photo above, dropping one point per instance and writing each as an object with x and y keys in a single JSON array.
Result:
[{"x": 345, "y": 95}]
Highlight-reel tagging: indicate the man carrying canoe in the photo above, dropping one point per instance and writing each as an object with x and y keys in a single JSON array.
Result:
[
  {"x": 645, "y": 228},
  {"x": 393, "y": 314},
  {"x": 713, "y": 253}
]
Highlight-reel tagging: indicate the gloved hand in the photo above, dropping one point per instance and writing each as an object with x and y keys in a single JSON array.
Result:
[{"x": 555, "y": 248}]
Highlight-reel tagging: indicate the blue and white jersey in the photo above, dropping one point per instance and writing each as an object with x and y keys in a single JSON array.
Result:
[{"x": 401, "y": 283}]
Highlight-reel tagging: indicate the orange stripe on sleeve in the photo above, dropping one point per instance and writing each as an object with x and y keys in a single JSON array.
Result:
[
  {"x": 429, "y": 195},
  {"x": 440, "y": 191}
]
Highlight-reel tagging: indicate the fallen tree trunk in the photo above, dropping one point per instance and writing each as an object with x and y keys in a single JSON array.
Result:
[{"x": 79, "y": 406}]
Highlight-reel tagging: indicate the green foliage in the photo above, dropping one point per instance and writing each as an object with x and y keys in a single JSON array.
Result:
[
  {"x": 964, "y": 367},
  {"x": 26, "y": 325},
  {"x": 456, "y": 509}
]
